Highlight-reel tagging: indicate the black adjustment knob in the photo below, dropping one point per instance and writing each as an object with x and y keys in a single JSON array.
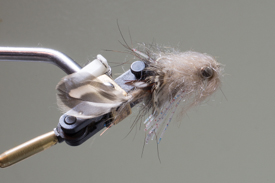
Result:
[
  {"x": 137, "y": 68},
  {"x": 69, "y": 120}
]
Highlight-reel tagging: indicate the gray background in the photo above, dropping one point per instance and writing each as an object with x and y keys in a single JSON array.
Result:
[{"x": 223, "y": 140}]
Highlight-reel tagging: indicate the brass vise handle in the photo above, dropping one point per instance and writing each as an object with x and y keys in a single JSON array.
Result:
[{"x": 27, "y": 149}]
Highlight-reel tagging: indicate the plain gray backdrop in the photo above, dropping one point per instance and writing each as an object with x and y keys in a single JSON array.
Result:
[{"x": 228, "y": 139}]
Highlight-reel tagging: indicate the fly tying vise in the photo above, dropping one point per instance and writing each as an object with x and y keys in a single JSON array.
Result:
[{"x": 91, "y": 100}]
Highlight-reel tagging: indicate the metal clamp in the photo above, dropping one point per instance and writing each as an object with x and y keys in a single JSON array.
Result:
[{"x": 72, "y": 130}]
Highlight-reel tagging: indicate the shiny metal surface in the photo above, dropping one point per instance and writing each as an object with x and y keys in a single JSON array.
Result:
[
  {"x": 27, "y": 149},
  {"x": 39, "y": 55}
]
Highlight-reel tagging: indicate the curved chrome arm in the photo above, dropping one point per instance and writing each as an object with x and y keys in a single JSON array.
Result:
[{"x": 40, "y": 55}]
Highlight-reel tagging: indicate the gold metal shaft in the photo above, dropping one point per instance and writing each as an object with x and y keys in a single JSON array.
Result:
[{"x": 28, "y": 149}]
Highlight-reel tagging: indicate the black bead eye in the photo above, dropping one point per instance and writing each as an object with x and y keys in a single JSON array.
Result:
[{"x": 207, "y": 72}]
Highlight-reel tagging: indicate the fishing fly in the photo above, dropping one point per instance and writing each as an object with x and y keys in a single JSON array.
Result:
[{"x": 170, "y": 78}]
